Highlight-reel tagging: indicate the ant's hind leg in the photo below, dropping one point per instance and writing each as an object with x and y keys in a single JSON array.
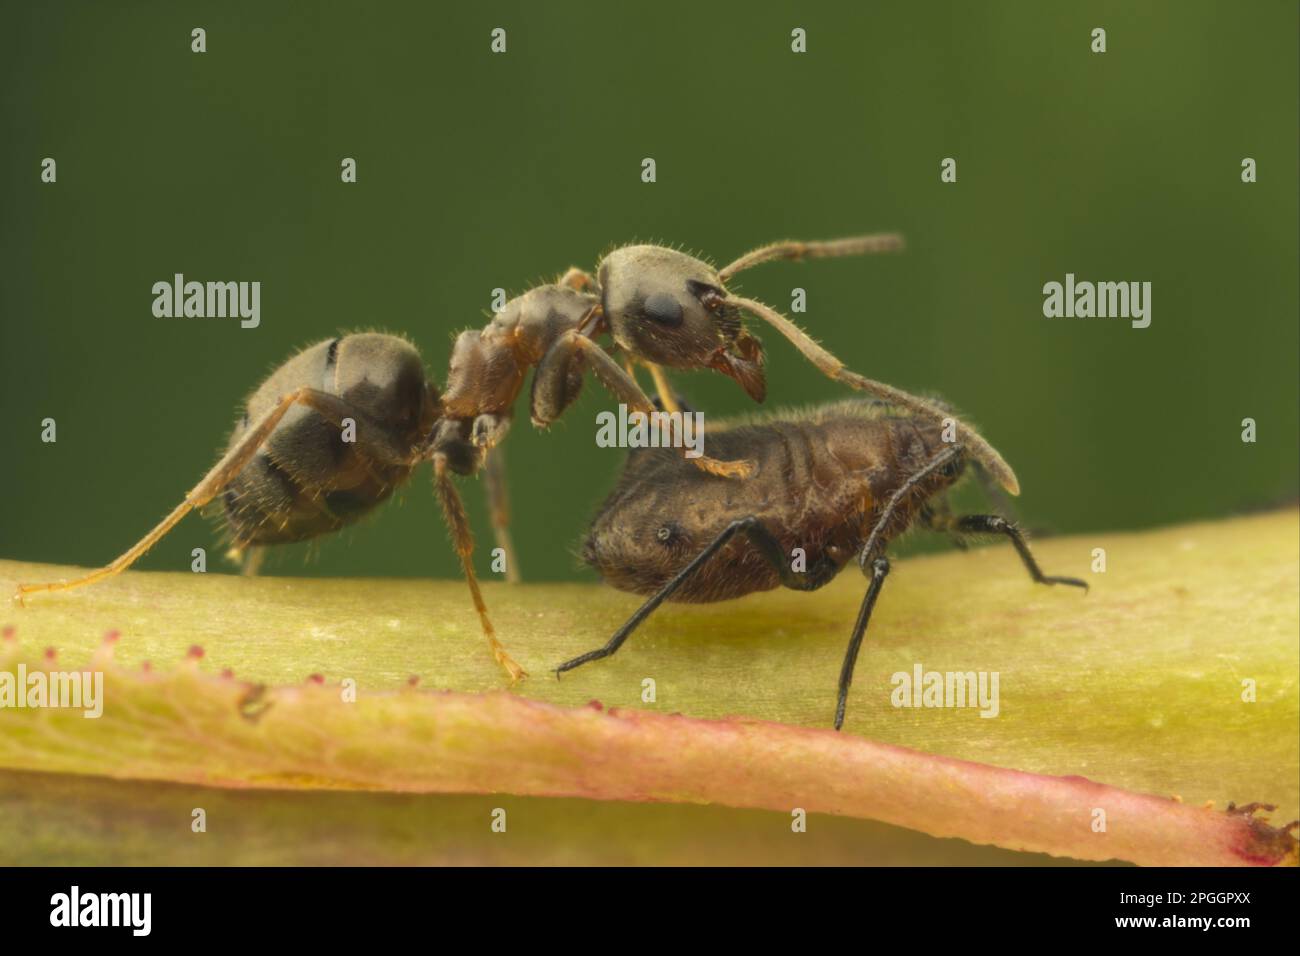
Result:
[
  {"x": 558, "y": 380},
  {"x": 222, "y": 473},
  {"x": 996, "y": 524},
  {"x": 494, "y": 480},
  {"x": 252, "y": 563}
]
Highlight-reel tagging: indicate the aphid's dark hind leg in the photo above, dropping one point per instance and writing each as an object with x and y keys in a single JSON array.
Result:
[
  {"x": 996, "y": 524},
  {"x": 879, "y": 571},
  {"x": 768, "y": 546},
  {"x": 330, "y": 407},
  {"x": 873, "y": 554}
]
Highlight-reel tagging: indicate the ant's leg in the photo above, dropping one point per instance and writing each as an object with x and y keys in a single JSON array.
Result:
[
  {"x": 996, "y": 524},
  {"x": 667, "y": 398},
  {"x": 833, "y": 368},
  {"x": 462, "y": 538},
  {"x": 494, "y": 479},
  {"x": 767, "y": 545},
  {"x": 252, "y": 561},
  {"x": 854, "y": 246},
  {"x": 231, "y": 464},
  {"x": 559, "y": 378},
  {"x": 576, "y": 279}
]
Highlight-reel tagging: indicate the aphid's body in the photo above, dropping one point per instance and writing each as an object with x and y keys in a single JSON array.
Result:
[
  {"x": 820, "y": 482},
  {"x": 829, "y": 486},
  {"x": 307, "y": 479}
]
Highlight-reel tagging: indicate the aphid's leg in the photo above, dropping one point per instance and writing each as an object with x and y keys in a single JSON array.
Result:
[
  {"x": 558, "y": 379},
  {"x": 873, "y": 553},
  {"x": 996, "y": 524},
  {"x": 462, "y": 538},
  {"x": 853, "y": 246},
  {"x": 936, "y": 515},
  {"x": 232, "y": 463},
  {"x": 821, "y": 572},
  {"x": 833, "y": 368},
  {"x": 879, "y": 571},
  {"x": 576, "y": 279},
  {"x": 494, "y": 479}
]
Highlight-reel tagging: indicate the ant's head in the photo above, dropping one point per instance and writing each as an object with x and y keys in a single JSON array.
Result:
[{"x": 671, "y": 309}]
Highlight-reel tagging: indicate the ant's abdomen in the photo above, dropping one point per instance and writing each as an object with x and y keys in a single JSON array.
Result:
[{"x": 310, "y": 478}]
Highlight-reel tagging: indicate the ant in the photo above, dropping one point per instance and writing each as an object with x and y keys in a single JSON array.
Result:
[
  {"x": 842, "y": 480},
  {"x": 291, "y": 473},
  {"x": 661, "y": 307}
]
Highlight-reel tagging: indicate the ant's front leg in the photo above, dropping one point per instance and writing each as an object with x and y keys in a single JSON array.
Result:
[{"x": 558, "y": 380}]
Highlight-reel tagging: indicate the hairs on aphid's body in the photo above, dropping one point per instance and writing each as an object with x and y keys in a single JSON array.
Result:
[{"x": 837, "y": 483}]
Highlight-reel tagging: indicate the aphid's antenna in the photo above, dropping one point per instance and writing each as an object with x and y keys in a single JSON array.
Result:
[
  {"x": 832, "y": 367},
  {"x": 853, "y": 246},
  {"x": 453, "y": 509}
]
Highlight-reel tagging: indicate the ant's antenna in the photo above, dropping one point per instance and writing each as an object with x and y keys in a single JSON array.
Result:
[
  {"x": 834, "y": 368},
  {"x": 794, "y": 251}
]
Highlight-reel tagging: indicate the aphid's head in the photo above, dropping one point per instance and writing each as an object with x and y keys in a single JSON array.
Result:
[
  {"x": 658, "y": 517},
  {"x": 669, "y": 308}
]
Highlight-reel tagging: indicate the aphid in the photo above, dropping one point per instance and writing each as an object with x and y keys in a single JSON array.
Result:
[{"x": 840, "y": 482}]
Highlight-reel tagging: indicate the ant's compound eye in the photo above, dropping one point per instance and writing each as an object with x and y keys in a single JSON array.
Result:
[
  {"x": 711, "y": 297},
  {"x": 663, "y": 309}
]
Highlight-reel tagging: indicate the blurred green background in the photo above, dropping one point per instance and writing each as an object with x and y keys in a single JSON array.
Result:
[{"x": 479, "y": 170}]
